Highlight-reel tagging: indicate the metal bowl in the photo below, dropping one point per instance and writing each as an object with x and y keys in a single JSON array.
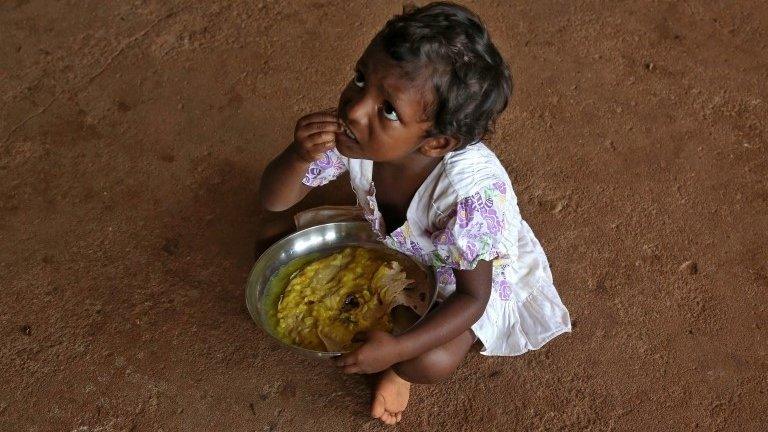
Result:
[{"x": 321, "y": 239}]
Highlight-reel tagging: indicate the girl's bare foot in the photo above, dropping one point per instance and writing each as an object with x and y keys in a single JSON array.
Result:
[{"x": 390, "y": 397}]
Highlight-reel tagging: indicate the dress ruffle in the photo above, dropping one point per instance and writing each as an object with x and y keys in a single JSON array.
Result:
[{"x": 512, "y": 328}]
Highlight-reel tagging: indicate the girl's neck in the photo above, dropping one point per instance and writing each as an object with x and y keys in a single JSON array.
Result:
[
  {"x": 413, "y": 165},
  {"x": 397, "y": 183}
]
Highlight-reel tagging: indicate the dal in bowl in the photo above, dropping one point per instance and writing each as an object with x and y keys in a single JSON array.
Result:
[{"x": 315, "y": 288}]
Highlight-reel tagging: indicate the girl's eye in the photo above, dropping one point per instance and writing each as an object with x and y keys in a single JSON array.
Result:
[
  {"x": 359, "y": 79},
  {"x": 389, "y": 112}
]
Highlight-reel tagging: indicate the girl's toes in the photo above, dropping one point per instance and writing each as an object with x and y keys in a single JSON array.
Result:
[
  {"x": 385, "y": 418},
  {"x": 377, "y": 408},
  {"x": 389, "y": 419},
  {"x": 390, "y": 398}
]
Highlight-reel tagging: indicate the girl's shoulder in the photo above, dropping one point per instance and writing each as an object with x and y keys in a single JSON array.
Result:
[{"x": 473, "y": 169}]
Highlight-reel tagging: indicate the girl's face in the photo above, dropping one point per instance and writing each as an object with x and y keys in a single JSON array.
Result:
[{"x": 383, "y": 111}]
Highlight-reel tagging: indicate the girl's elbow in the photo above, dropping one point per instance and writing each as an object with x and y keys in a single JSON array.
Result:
[
  {"x": 478, "y": 307},
  {"x": 273, "y": 205}
]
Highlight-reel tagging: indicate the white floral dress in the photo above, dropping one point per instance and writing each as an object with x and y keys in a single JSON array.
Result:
[{"x": 464, "y": 212}]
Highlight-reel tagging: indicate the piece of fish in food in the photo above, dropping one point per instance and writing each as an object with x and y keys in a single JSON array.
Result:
[{"x": 389, "y": 281}]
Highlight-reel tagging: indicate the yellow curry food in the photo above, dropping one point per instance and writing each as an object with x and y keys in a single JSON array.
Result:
[{"x": 326, "y": 302}]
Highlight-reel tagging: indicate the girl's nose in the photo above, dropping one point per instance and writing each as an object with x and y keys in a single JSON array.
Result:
[{"x": 359, "y": 108}]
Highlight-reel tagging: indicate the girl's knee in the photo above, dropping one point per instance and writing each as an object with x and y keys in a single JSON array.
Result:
[
  {"x": 429, "y": 368},
  {"x": 437, "y": 364}
]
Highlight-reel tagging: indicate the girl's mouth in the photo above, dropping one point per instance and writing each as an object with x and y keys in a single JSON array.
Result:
[{"x": 348, "y": 132}]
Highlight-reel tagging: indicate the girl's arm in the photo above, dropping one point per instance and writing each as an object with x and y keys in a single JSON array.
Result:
[
  {"x": 455, "y": 316},
  {"x": 281, "y": 187}
]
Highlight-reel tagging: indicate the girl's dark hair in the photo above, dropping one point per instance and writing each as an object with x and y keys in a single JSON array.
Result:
[{"x": 471, "y": 81}]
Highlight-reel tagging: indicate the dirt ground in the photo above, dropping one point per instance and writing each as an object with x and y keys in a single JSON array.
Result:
[{"x": 133, "y": 135}]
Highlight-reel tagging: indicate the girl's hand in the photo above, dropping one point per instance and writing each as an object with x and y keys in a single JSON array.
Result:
[
  {"x": 314, "y": 135},
  {"x": 380, "y": 351}
]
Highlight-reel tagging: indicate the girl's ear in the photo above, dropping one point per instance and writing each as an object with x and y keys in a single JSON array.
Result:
[{"x": 438, "y": 146}]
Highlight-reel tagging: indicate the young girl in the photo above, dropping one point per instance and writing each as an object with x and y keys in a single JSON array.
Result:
[{"x": 408, "y": 129}]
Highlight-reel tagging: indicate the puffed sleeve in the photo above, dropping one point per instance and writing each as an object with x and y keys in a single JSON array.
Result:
[
  {"x": 325, "y": 169},
  {"x": 477, "y": 230}
]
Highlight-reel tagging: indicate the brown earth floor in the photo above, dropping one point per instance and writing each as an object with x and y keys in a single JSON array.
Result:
[{"x": 133, "y": 135}]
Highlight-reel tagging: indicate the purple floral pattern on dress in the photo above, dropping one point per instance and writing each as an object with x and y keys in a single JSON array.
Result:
[
  {"x": 501, "y": 187},
  {"x": 446, "y": 281},
  {"x": 325, "y": 169},
  {"x": 444, "y": 238},
  {"x": 474, "y": 233},
  {"x": 399, "y": 239},
  {"x": 445, "y": 277},
  {"x": 504, "y": 289},
  {"x": 403, "y": 240},
  {"x": 371, "y": 212}
]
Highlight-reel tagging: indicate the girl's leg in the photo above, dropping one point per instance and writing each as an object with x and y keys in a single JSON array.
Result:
[
  {"x": 437, "y": 364},
  {"x": 393, "y": 389}
]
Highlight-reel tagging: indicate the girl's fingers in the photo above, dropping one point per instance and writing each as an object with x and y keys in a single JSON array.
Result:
[
  {"x": 317, "y": 156},
  {"x": 324, "y": 126},
  {"x": 351, "y": 369},
  {"x": 319, "y": 138},
  {"x": 344, "y": 360},
  {"x": 322, "y": 148},
  {"x": 316, "y": 118}
]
